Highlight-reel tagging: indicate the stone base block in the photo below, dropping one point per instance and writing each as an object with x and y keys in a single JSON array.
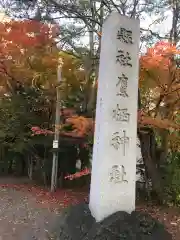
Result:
[{"x": 77, "y": 224}]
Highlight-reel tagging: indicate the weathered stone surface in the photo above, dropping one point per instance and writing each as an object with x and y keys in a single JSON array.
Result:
[
  {"x": 78, "y": 224},
  {"x": 113, "y": 180}
]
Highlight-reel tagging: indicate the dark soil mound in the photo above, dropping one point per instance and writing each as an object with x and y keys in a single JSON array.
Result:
[{"x": 78, "y": 224}]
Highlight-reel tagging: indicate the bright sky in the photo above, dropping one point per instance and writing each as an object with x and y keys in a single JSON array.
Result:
[
  {"x": 3, "y": 17},
  {"x": 162, "y": 27},
  {"x": 147, "y": 22},
  {"x": 151, "y": 23}
]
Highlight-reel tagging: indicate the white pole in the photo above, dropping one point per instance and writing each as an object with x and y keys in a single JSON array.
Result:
[{"x": 56, "y": 133}]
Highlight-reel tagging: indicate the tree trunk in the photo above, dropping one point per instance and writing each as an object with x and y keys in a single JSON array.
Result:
[
  {"x": 149, "y": 152},
  {"x": 147, "y": 140},
  {"x": 30, "y": 167},
  {"x": 10, "y": 166},
  {"x": 92, "y": 77},
  {"x": 164, "y": 146},
  {"x": 23, "y": 167}
]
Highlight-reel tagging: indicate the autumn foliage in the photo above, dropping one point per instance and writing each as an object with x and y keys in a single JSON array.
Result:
[
  {"x": 27, "y": 53},
  {"x": 26, "y": 33},
  {"x": 84, "y": 172},
  {"x": 159, "y": 82},
  {"x": 80, "y": 127}
]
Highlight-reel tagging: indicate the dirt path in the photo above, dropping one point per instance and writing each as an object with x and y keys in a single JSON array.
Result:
[
  {"x": 21, "y": 217},
  {"x": 25, "y": 212}
]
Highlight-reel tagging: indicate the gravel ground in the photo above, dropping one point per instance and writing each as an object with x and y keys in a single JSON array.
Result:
[
  {"x": 27, "y": 214},
  {"x": 22, "y": 218}
]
